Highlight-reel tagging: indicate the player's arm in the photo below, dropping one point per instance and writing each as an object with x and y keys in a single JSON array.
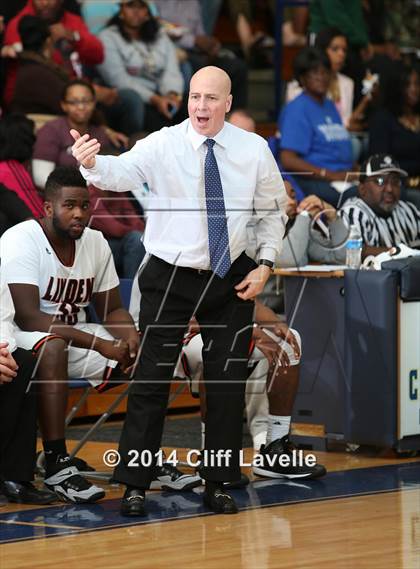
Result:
[
  {"x": 116, "y": 319},
  {"x": 29, "y": 317}
]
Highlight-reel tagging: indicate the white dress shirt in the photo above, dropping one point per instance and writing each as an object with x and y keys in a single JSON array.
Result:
[{"x": 171, "y": 163}]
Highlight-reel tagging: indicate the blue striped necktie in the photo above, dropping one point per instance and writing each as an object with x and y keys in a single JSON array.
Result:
[{"x": 216, "y": 215}]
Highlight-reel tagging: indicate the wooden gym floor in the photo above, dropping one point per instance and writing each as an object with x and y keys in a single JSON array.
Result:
[{"x": 364, "y": 514}]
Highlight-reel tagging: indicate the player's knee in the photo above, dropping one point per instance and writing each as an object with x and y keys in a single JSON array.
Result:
[{"x": 53, "y": 355}]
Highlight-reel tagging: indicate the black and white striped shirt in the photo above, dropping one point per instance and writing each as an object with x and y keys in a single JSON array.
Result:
[{"x": 402, "y": 226}]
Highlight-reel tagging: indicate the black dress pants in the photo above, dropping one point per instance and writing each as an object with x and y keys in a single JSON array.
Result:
[
  {"x": 170, "y": 296},
  {"x": 18, "y": 422}
]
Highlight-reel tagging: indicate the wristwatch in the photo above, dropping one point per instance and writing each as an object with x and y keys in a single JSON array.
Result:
[{"x": 267, "y": 263}]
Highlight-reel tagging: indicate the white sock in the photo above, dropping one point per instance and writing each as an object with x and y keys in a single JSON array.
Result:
[
  {"x": 278, "y": 427},
  {"x": 259, "y": 439},
  {"x": 203, "y": 434}
]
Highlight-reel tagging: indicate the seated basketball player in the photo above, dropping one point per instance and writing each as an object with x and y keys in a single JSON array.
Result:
[{"x": 55, "y": 268}]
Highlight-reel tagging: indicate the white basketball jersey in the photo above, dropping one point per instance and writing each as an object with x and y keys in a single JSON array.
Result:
[{"x": 27, "y": 257}]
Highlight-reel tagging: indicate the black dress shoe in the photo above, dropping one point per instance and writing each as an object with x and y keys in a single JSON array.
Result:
[
  {"x": 241, "y": 483},
  {"x": 132, "y": 503},
  {"x": 26, "y": 493},
  {"x": 220, "y": 501}
]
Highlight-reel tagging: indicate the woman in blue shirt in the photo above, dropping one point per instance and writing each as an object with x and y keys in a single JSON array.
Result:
[{"x": 314, "y": 141}]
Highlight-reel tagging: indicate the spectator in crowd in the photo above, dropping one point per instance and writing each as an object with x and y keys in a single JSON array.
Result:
[
  {"x": 17, "y": 414},
  {"x": 383, "y": 219},
  {"x": 73, "y": 44},
  {"x": 36, "y": 67},
  {"x": 74, "y": 50},
  {"x": 314, "y": 142},
  {"x": 341, "y": 89},
  {"x": 395, "y": 128},
  {"x": 16, "y": 144},
  {"x": 140, "y": 56},
  {"x": 203, "y": 49},
  {"x": 78, "y": 103}
]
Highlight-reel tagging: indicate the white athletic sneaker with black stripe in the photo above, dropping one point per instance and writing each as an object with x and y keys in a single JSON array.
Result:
[
  {"x": 65, "y": 480},
  {"x": 168, "y": 477}
]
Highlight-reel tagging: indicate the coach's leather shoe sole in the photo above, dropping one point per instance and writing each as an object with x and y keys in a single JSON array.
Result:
[{"x": 220, "y": 502}]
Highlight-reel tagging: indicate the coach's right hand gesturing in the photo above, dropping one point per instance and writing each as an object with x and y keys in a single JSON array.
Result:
[{"x": 84, "y": 149}]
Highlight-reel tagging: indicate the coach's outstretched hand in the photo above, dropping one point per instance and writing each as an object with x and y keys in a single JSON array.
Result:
[{"x": 84, "y": 149}]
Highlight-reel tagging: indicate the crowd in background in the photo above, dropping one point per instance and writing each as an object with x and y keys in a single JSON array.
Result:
[{"x": 120, "y": 70}]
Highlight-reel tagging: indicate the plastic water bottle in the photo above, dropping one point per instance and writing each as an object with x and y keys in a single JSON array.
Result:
[{"x": 354, "y": 248}]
